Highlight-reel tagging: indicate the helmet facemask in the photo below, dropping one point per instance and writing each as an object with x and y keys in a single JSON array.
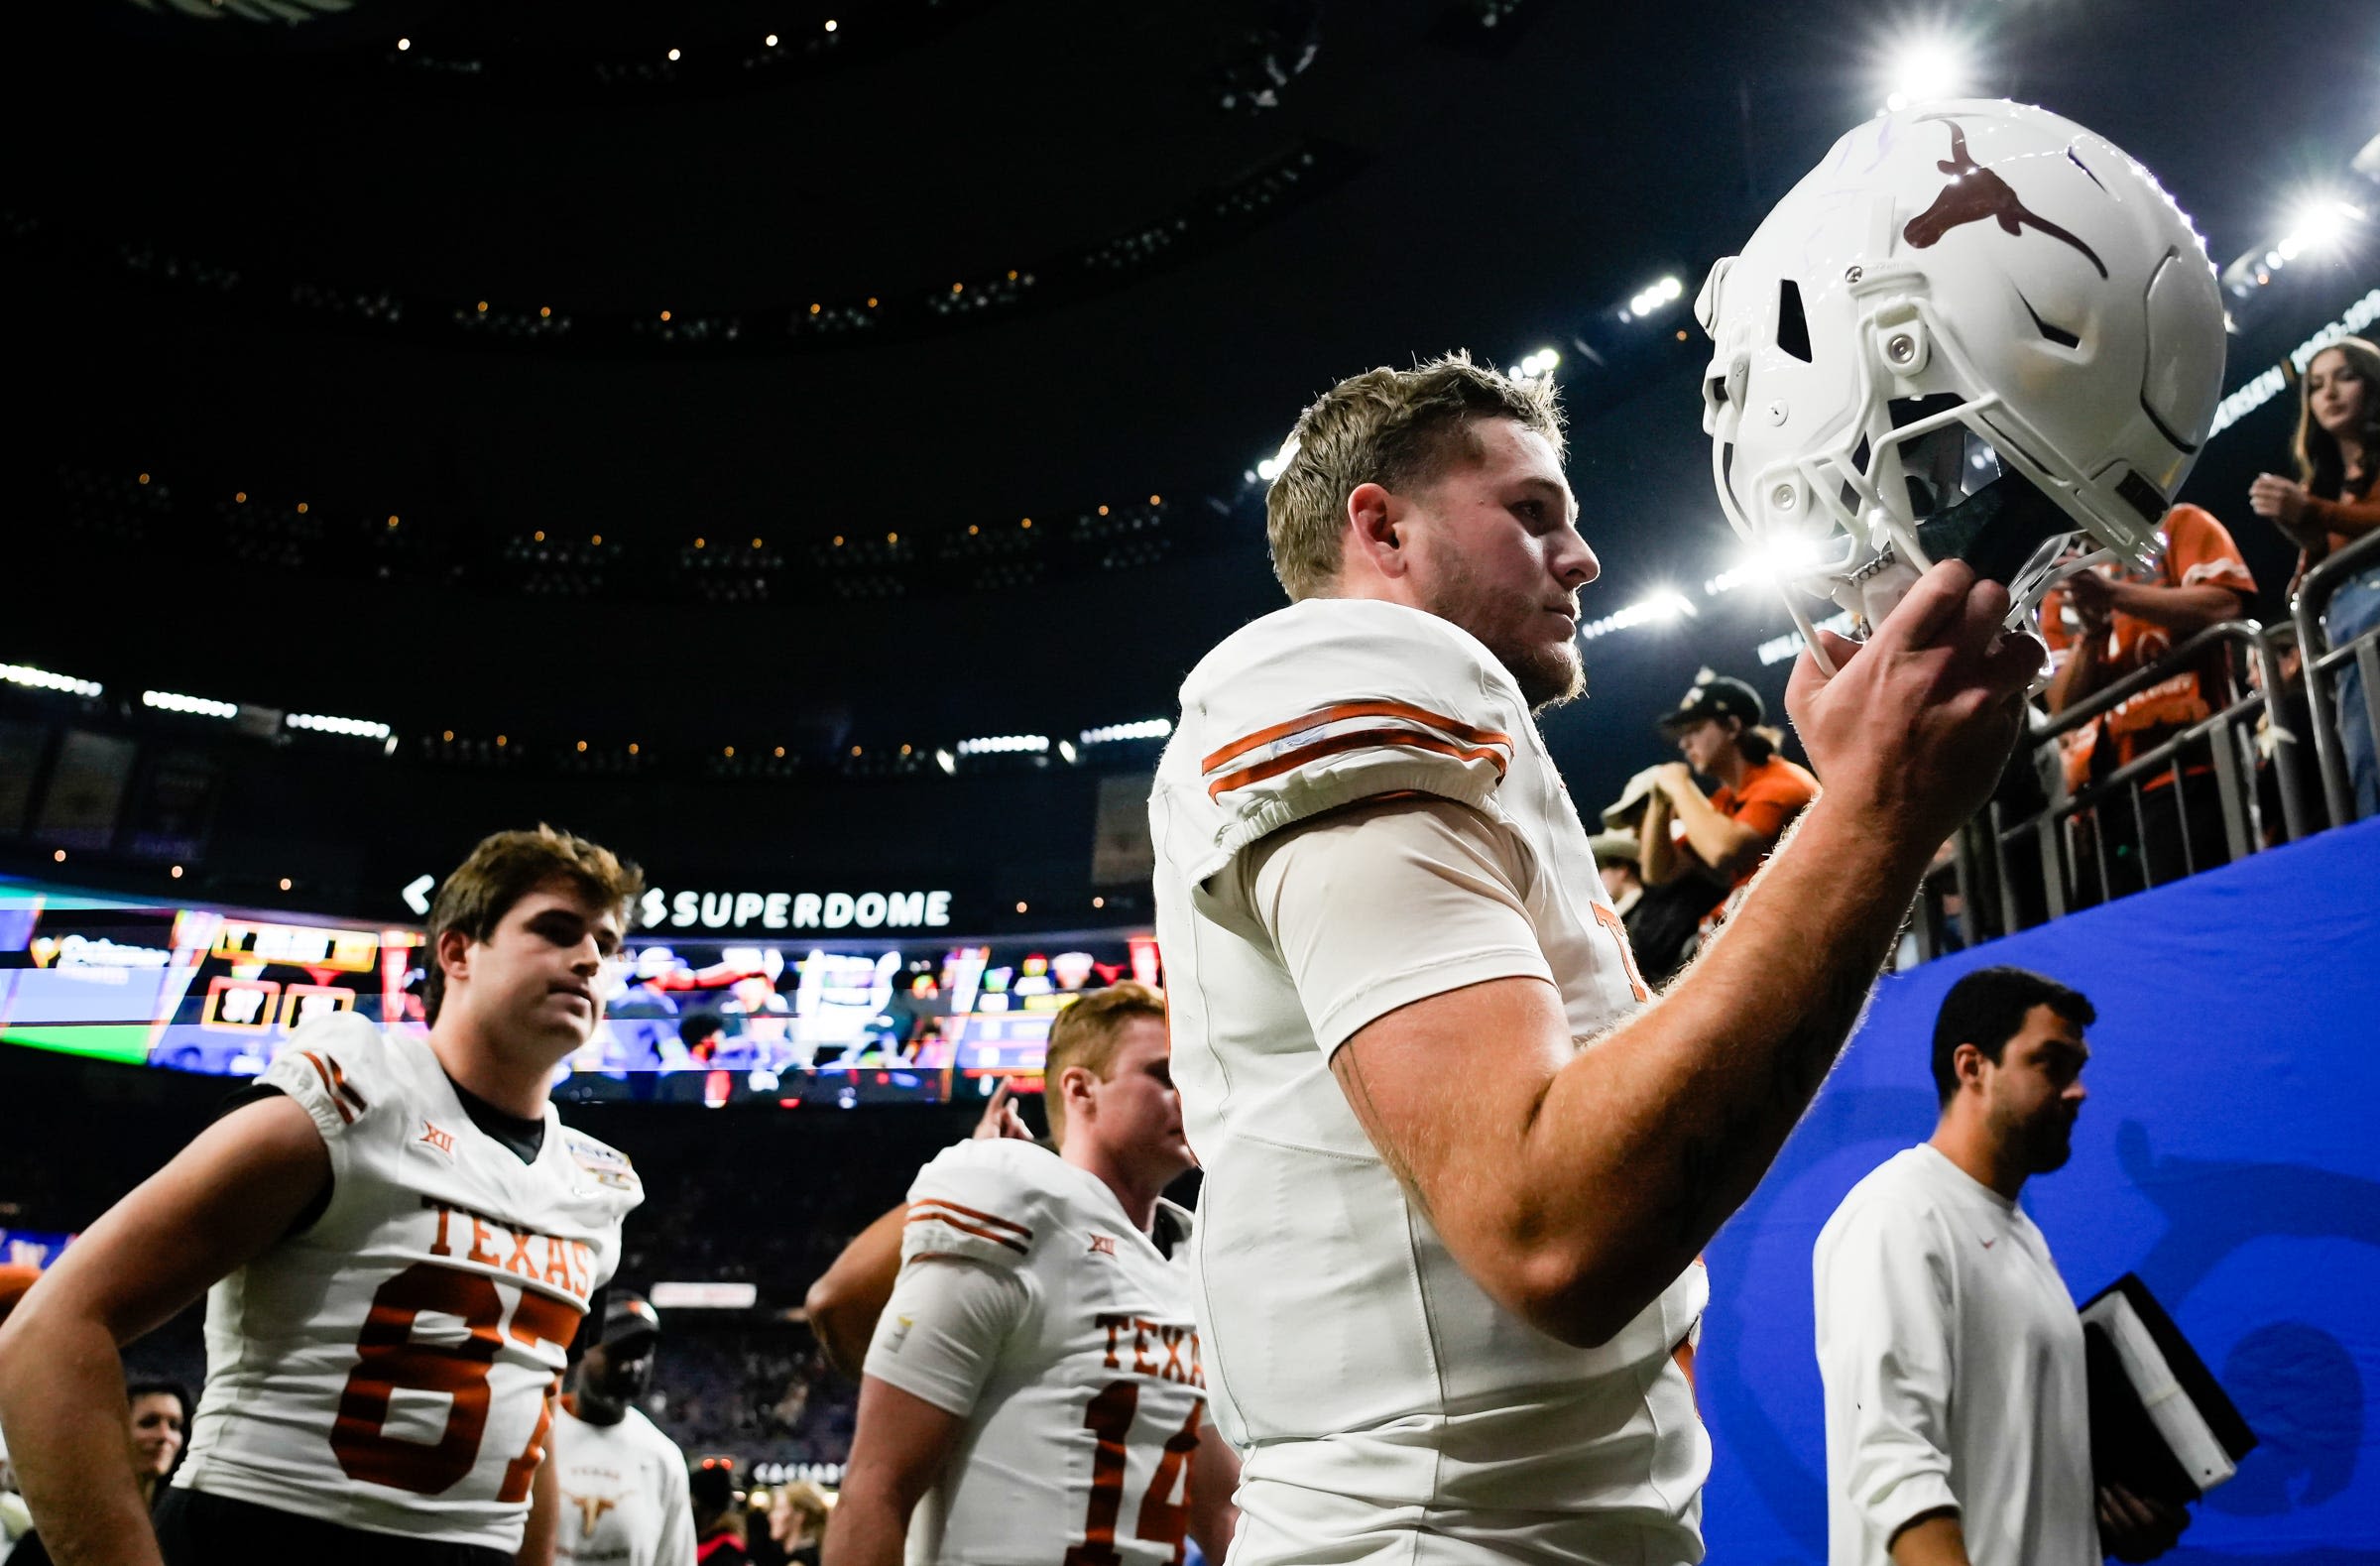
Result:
[{"x": 1975, "y": 331}]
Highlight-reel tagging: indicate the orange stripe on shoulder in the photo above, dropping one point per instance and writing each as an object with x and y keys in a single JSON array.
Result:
[
  {"x": 1353, "y": 710},
  {"x": 966, "y": 1228},
  {"x": 994, "y": 1219},
  {"x": 346, "y": 1115},
  {"x": 1359, "y": 739}
]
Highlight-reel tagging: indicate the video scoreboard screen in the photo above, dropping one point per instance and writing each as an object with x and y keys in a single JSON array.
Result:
[
  {"x": 200, "y": 989},
  {"x": 220, "y": 990}
]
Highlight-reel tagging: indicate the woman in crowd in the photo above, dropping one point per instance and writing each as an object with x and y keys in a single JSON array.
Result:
[
  {"x": 158, "y": 1424},
  {"x": 161, "y": 1426},
  {"x": 2330, "y": 504}
]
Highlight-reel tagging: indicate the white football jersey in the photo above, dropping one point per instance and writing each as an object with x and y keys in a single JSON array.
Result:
[
  {"x": 623, "y": 1493},
  {"x": 1369, "y": 1382},
  {"x": 1078, "y": 1446},
  {"x": 387, "y": 1367}
]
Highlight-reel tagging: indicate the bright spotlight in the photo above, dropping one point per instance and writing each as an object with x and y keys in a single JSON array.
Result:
[
  {"x": 2319, "y": 224},
  {"x": 1270, "y": 468},
  {"x": 1925, "y": 72}
]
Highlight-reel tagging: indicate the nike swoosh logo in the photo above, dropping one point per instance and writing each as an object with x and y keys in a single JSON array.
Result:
[{"x": 1989, "y": 1244}]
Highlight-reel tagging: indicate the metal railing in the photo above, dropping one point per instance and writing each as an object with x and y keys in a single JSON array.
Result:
[
  {"x": 2014, "y": 867},
  {"x": 2322, "y": 659},
  {"x": 2074, "y": 825}
]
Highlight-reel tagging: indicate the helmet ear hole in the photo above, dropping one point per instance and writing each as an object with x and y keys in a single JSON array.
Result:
[{"x": 1793, "y": 325}]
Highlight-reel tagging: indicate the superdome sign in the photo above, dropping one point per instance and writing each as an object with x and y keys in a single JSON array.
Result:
[{"x": 792, "y": 910}]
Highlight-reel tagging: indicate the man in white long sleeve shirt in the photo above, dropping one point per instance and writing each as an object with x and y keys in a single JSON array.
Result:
[{"x": 1957, "y": 1413}]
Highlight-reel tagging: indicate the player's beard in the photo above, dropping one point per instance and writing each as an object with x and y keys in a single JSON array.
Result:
[{"x": 1548, "y": 674}]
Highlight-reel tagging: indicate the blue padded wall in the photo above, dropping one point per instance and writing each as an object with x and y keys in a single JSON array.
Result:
[{"x": 2230, "y": 1154}]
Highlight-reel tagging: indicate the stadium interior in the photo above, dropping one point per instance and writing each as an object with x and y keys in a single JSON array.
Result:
[{"x": 804, "y": 447}]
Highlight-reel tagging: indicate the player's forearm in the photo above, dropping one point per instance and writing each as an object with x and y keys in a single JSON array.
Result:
[
  {"x": 868, "y": 1527},
  {"x": 1646, "y": 1141},
  {"x": 539, "y": 1532},
  {"x": 845, "y": 1302},
  {"x": 61, "y": 1401},
  {"x": 1934, "y": 1540}
]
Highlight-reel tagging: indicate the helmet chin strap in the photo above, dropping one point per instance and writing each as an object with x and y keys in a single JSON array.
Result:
[
  {"x": 1998, "y": 530},
  {"x": 2008, "y": 530}
]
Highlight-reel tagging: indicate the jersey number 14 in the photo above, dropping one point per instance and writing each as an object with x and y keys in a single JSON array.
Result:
[{"x": 1163, "y": 1519}]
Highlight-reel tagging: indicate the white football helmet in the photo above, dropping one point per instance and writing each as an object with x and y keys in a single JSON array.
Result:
[{"x": 1974, "y": 328}]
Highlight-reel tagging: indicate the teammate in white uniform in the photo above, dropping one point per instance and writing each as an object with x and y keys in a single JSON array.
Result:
[
  {"x": 1958, "y": 1403},
  {"x": 1036, "y": 1379},
  {"x": 625, "y": 1500},
  {"x": 1456, "y": 1172},
  {"x": 400, "y": 1238}
]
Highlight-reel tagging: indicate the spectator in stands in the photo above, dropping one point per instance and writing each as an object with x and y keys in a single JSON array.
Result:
[
  {"x": 2330, "y": 504},
  {"x": 161, "y": 1426},
  {"x": 157, "y": 1425},
  {"x": 2122, "y": 621},
  {"x": 718, "y": 1514},
  {"x": 1665, "y": 919},
  {"x": 1958, "y": 1411},
  {"x": 1727, "y": 836},
  {"x": 1624, "y": 880},
  {"x": 797, "y": 1521}
]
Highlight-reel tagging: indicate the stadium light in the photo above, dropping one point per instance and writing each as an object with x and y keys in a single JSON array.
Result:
[
  {"x": 357, "y": 728},
  {"x": 1066, "y": 750},
  {"x": 196, "y": 706},
  {"x": 43, "y": 680},
  {"x": 2319, "y": 224},
  {"x": 1771, "y": 563},
  {"x": 1146, "y": 729},
  {"x": 1006, "y": 745},
  {"x": 1925, "y": 70},
  {"x": 1661, "y": 607},
  {"x": 1270, "y": 468},
  {"x": 947, "y": 762},
  {"x": 1651, "y": 298}
]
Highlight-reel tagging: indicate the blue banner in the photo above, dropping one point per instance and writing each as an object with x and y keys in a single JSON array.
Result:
[
  {"x": 2230, "y": 1154},
  {"x": 36, "y": 1247}
]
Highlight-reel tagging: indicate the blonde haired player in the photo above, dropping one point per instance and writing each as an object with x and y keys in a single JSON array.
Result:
[
  {"x": 400, "y": 1238},
  {"x": 1035, "y": 1379},
  {"x": 1458, "y": 1169}
]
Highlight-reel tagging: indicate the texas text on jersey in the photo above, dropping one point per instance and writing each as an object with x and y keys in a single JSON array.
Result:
[
  {"x": 1082, "y": 1380},
  {"x": 387, "y": 1366}
]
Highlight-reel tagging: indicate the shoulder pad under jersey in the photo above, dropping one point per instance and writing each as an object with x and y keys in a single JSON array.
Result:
[
  {"x": 1335, "y": 700},
  {"x": 338, "y": 1071},
  {"x": 986, "y": 1200}
]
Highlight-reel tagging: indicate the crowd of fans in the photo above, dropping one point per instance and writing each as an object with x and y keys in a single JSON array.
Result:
[{"x": 1674, "y": 858}]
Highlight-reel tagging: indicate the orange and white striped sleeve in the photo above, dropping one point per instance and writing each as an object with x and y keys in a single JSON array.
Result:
[
  {"x": 979, "y": 1201},
  {"x": 1333, "y": 703}
]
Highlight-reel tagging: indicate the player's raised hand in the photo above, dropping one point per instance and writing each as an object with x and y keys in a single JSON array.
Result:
[
  {"x": 999, "y": 1119},
  {"x": 1916, "y": 724}
]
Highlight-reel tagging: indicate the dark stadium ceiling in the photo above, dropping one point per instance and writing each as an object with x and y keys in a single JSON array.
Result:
[{"x": 250, "y": 255}]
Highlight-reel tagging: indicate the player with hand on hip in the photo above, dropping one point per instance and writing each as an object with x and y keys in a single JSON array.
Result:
[
  {"x": 396, "y": 1236},
  {"x": 1036, "y": 1379}
]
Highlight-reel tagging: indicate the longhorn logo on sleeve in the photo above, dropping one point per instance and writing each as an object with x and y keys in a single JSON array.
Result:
[{"x": 1977, "y": 194}]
